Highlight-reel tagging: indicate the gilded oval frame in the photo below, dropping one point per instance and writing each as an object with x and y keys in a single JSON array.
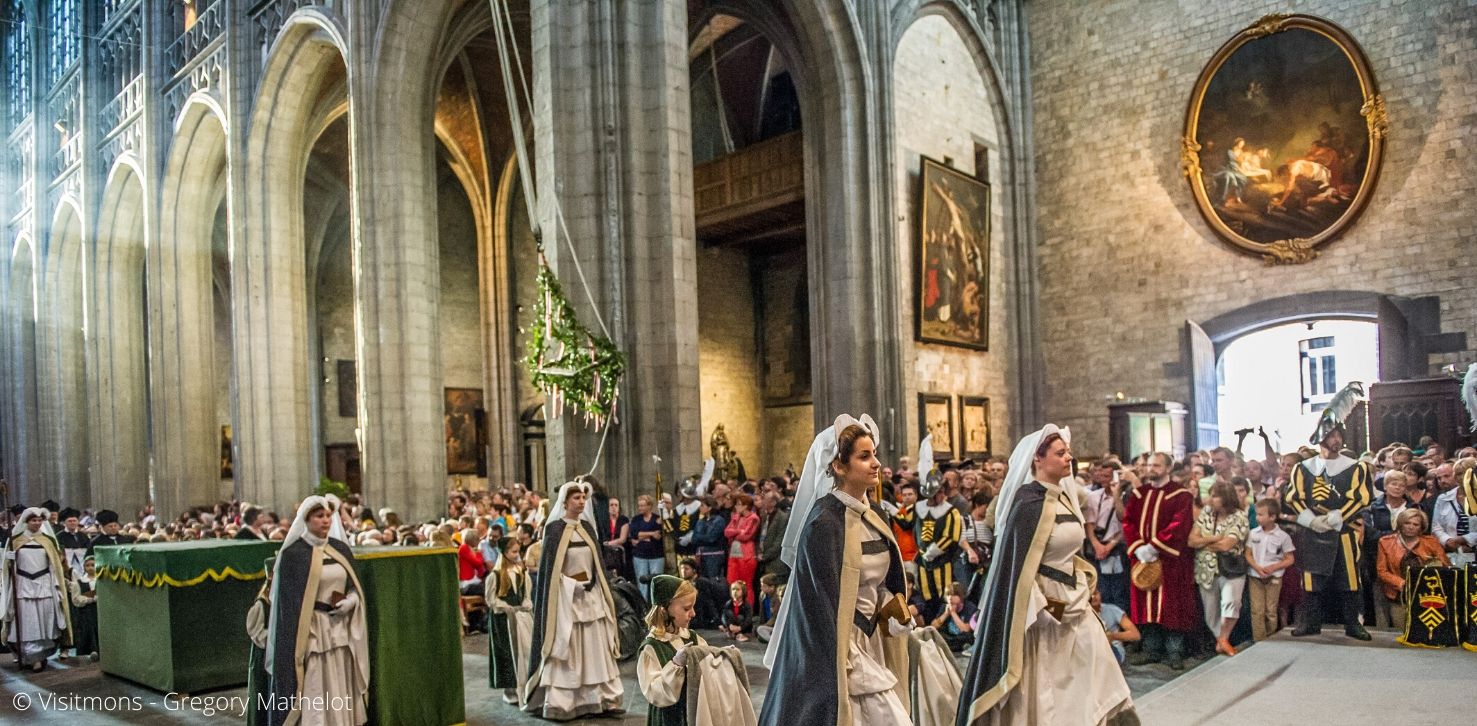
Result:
[{"x": 1284, "y": 237}]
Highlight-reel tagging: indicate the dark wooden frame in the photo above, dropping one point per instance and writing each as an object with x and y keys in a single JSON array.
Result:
[
  {"x": 927, "y": 170},
  {"x": 942, "y": 450},
  {"x": 966, "y": 402},
  {"x": 1295, "y": 250}
]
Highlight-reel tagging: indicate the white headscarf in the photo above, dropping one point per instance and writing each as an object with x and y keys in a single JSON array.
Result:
[
  {"x": 300, "y": 523},
  {"x": 815, "y": 482},
  {"x": 45, "y": 515},
  {"x": 557, "y": 512},
  {"x": 1021, "y": 461}
]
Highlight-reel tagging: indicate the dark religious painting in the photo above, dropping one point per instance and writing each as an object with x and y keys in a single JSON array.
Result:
[
  {"x": 974, "y": 425},
  {"x": 953, "y": 257},
  {"x": 348, "y": 389},
  {"x": 1283, "y": 137},
  {"x": 936, "y": 417},
  {"x": 228, "y": 463},
  {"x": 464, "y": 452}
]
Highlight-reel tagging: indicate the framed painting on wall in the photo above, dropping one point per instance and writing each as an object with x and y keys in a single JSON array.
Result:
[
  {"x": 974, "y": 426},
  {"x": 936, "y": 417},
  {"x": 464, "y": 450},
  {"x": 1283, "y": 137},
  {"x": 952, "y": 257}
]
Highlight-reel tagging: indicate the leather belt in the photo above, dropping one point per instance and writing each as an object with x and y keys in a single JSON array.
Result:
[
  {"x": 322, "y": 607},
  {"x": 1052, "y": 573},
  {"x": 579, "y": 543},
  {"x": 874, "y": 546},
  {"x": 865, "y": 624},
  {"x": 32, "y": 575}
]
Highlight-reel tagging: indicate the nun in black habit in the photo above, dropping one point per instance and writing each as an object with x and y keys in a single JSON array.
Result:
[
  {"x": 317, "y": 645},
  {"x": 839, "y": 651},
  {"x": 572, "y": 669},
  {"x": 1041, "y": 654}
]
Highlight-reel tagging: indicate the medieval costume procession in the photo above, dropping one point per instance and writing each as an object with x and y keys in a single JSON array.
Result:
[{"x": 738, "y": 362}]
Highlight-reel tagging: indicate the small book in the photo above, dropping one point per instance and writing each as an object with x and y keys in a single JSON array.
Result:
[{"x": 336, "y": 598}]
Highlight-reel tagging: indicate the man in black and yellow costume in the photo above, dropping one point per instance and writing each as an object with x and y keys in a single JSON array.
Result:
[
  {"x": 1328, "y": 494},
  {"x": 936, "y": 526}
]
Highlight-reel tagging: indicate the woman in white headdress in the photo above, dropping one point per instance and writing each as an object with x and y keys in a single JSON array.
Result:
[
  {"x": 37, "y": 618},
  {"x": 837, "y": 655},
  {"x": 572, "y": 669},
  {"x": 1041, "y": 655},
  {"x": 317, "y": 646}
]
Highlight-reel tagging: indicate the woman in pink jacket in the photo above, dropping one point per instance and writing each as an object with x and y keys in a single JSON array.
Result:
[{"x": 742, "y": 531}]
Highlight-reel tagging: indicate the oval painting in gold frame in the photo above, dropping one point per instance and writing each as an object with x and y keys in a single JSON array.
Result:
[{"x": 1283, "y": 137}]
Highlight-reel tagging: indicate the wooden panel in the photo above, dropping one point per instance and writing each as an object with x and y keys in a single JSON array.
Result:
[
  {"x": 1407, "y": 410},
  {"x": 755, "y": 187}
]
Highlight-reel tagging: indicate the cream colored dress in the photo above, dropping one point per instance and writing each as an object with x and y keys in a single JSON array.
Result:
[
  {"x": 1070, "y": 676},
  {"x": 869, "y": 683},
  {"x": 581, "y": 675},
  {"x": 336, "y": 643}
]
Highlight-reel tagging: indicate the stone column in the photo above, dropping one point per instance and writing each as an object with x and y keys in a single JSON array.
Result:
[
  {"x": 613, "y": 145},
  {"x": 396, "y": 260}
]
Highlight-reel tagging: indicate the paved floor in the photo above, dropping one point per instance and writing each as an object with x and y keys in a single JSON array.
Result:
[
  {"x": 54, "y": 696},
  {"x": 1327, "y": 679}
]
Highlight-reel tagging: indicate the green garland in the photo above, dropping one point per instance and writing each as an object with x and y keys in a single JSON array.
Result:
[{"x": 568, "y": 362}]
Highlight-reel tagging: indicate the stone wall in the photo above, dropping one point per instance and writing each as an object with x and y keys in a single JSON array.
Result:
[
  {"x": 1125, "y": 257},
  {"x": 461, "y": 314},
  {"x": 728, "y": 360},
  {"x": 943, "y": 111}
]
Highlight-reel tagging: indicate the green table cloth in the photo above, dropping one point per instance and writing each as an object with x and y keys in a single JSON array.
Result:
[
  {"x": 172, "y": 616},
  {"x": 415, "y": 635}
]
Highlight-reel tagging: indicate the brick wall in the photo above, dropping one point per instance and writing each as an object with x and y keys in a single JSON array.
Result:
[
  {"x": 1125, "y": 256},
  {"x": 943, "y": 110}
]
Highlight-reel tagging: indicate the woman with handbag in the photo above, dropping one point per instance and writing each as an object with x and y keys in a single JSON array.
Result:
[{"x": 1219, "y": 539}]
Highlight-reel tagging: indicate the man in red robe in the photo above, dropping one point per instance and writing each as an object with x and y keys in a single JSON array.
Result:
[{"x": 1156, "y": 524}]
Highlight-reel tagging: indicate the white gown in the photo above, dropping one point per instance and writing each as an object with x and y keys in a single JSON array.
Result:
[
  {"x": 39, "y": 620},
  {"x": 581, "y": 675},
  {"x": 1071, "y": 677},
  {"x": 331, "y": 671},
  {"x": 869, "y": 683}
]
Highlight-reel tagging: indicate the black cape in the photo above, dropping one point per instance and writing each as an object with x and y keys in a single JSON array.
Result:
[
  {"x": 289, "y": 597},
  {"x": 549, "y": 555},
  {"x": 805, "y": 683},
  {"x": 1002, "y": 624}
]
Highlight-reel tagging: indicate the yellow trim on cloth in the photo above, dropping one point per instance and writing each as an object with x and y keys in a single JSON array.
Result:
[{"x": 137, "y": 579}]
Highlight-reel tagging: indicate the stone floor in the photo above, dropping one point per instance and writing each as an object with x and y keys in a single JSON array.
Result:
[{"x": 1239, "y": 689}]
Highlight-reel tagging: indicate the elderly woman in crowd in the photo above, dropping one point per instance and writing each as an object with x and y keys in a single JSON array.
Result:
[
  {"x": 1407, "y": 547},
  {"x": 1219, "y": 538}
]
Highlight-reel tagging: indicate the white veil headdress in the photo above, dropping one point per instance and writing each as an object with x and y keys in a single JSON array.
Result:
[
  {"x": 300, "y": 522},
  {"x": 557, "y": 512},
  {"x": 20, "y": 527},
  {"x": 815, "y": 482}
]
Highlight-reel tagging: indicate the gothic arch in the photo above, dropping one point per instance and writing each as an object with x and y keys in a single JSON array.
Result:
[
  {"x": 183, "y": 369},
  {"x": 274, "y": 433},
  {"x": 848, "y": 196},
  {"x": 22, "y": 430},
  {"x": 62, "y": 360},
  {"x": 119, "y": 390}
]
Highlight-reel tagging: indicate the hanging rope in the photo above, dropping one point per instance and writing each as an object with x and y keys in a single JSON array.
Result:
[{"x": 565, "y": 360}]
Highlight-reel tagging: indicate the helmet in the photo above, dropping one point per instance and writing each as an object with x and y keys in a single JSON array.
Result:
[{"x": 931, "y": 483}]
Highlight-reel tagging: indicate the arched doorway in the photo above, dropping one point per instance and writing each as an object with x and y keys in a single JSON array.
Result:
[
  {"x": 1405, "y": 329},
  {"x": 1280, "y": 378}
]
